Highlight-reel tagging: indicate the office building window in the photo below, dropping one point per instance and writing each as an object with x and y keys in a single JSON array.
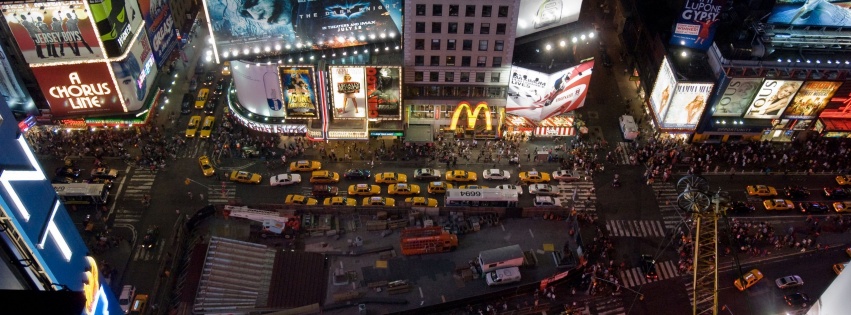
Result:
[
  {"x": 494, "y": 77},
  {"x": 435, "y": 27},
  {"x": 483, "y": 45},
  {"x": 480, "y": 77},
  {"x": 448, "y": 91},
  {"x": 453, "y": 9},
  {"x": 453, "y": 28},
  {"x": 449, "y": 77},
  {"x": 498, "y": 45},
  {"x": 450, "y": 60},
  {"x": 450, "y": 44},
  {"x": 465, "y": 61},
  {"x": 418, "y": 76},
  {"x": 465, "y": 77},
  {"x": 500, "y": 28},
  {"x": 422, "y": 111},
  {"x": 497, "y": 62},
  {"x": 421, "y": 10},
  {"x": 485, "y": 28},
  {"x": 415, "y": 91},
  {"x": 432, "y": 90},
  {"x": 420, "y": 27},
  {"x": 481, "y": 61},
  {"x": 437, "y": 10},
  {"x": 503, "y": 11},
  {"x": 468, "y": 28},
  {"x": 419, "y": 60},
  {"x": 463, "y": 91},
  {"x": 435, "y": 61},
  {"x": 433, "y": 76},
  {"x": 435, "y": 44},
  {"x": 470, "y": 11},
  {"x": 486, "y": 11},
  {"x": 467, "y": 44},
  {"x": 419, "y": 44},
  {"x": 495, "y": 92}
]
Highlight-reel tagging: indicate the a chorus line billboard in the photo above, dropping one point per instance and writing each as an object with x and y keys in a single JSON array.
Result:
[
  {"x": 349, "y": 93},
  {"x": 160, "y": 25},
  {"x": 245, "y": 24},
  {"x": 135, "y": 74},
  {"x": 299, "y": 91},
  {"x": 811, "y": 98},
  {"x": 696, "y": 24},
  {"x": 737, "y": 96},
  {"x": 811, "y": 13},
  {"x": 117, "y": 22},
  {"x": 772, "y": 98},
  {"x": 49, "y": 32},
  {"x": 662, "y": 91},
  {"x": 79, "y": 89},
  {"x": 539, "y": 96},
  {"x": 258, "y": 88},
  {"x": 687, "y": 105},
  {"x": 539, "y": 15}
]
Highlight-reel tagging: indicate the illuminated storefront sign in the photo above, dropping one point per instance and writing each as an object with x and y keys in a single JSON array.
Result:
[
  {"x": 347, "y": 134},
  {"x": 79, "y": 90},
  {"x": 299, "y": 95},
  {"x": 270, "y": 128},
  {"x": 737, "y": 96},
  {"x": 386, "y": 133},
  {"x": 146, "y": 69},
  {"x": 383, "y": 92},
  {"x": 472, "y": 115},
  {"x": 772, "y": 98},
  {"x": 79, "y": 95},
  {"x": 349, "y": 93}
]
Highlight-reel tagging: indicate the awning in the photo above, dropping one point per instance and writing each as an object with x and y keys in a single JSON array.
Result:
[
  {"x": 555, "y": 131},
  {"x": 419, "y": 134}
]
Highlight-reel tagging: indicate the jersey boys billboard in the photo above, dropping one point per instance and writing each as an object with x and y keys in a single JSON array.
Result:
[
  {"x": 79, "y": 89},
  {"x": 299, "y": 92},
  {"x": 313, "y": 24},
  {"x": 53, "y": 31},
  {"x": 811, "y": 13},
  {"x": 695, "y": 27},
  {"x": 539, "y": 96},
  {"x": 160, "y": 25},
  {"x": 538, "y": 15}
]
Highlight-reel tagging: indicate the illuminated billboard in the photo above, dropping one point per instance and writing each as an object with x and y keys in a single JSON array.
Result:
[
  {"x": 160, "y": 25},
  {"x": 772, "y": 98},
  {"x": 687, "y": 105},
  {"x": 135, "y": 74},
  {"x": 839, "y": 105},
  {"x": 79, "y": 89},
  {"x": 240, "y": 26},
  {"x": 811, "y": 13},
  {"x": 299, "y": 92},
  {"x": 117, "y": 22},
  {"x": 811, "y": 98},
  {"x": 737, "y": 96},
  {"x": 349, "y": 93},
  {"x": 538, "y": 15},
  {"x": 662, "y": 91},
  {"x": 11, "y": 89},
  {"x": 258, "y": 88},
  {"x": 539, "y": 96},
  {"x": 384, "y": 93},
  {"x": 696, "y": 24},
  {"x": 53, "y": 31}
]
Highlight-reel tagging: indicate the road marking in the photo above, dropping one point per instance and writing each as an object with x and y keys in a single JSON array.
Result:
[
  {"x": 532, "y": 234},
  {"x": 421, "y": 292},
  {"x": 502, "y": 226}
]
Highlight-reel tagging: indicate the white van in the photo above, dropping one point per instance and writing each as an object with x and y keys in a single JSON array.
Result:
[
  {"x": 503, "y": 276},
  {"x": 628, "y": 127},
  {"x": 127, "y": 294}
]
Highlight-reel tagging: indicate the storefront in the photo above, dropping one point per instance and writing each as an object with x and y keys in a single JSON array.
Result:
[
  {"x": 467, "y": 119},
  {"x": 558, "y": 126},
  {"x": 833, "y": 127}
]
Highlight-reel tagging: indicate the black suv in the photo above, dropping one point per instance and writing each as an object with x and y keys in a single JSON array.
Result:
[
  {"x": 186, "y": 105},
  {"x": 357, "y": 174},
  {"x": 151, "y": 237},
  {"x": 813, "y": 207},
  {"x": 68, "y": 172},
  {"x": 796, "y": 192},
  {"x": 740, "y": 207},
  {"x": 648, "y": 267},
  {"x": 836, "y": 192}
]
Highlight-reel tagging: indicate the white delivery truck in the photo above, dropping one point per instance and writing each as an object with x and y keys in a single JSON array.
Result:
[
  {"x": 503, "y": 257},
  {"x": 628, "y": 127},
  {"x": 503, "y": 276}
]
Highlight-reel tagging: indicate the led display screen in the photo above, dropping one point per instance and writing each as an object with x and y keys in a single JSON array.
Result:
[
  {"x": 117, "y": 22},
  {"x": 258, "y": 88},
  {"x": 136, "y": 73},
  {"x": 811, "y": 13},
  {"x": 538, "y": 96},
  {"x": 839, "y": 105}
]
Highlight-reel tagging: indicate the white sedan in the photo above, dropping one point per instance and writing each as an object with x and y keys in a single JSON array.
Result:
[
  {"x": 543, "y": 190},
  {"x": 566, "y": 176},
  {"x": 544, "y": 201},
  {"x": 285, "y": 179},
  {"x": 496, "y": 174},
  {"x": 518, "y": 189}
]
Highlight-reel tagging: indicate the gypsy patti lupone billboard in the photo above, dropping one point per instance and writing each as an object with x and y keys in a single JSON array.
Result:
[
  {"x": 49, "y": 32},
  {"x": 539, "y": 96},
  {"x": 79, "y": 89},
  {"x": 811, "y": 98},
  {"x": 695, "y": 27}
]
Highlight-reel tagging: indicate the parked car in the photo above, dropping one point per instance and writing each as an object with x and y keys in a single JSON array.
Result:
[{"x": 797, "y": 300}]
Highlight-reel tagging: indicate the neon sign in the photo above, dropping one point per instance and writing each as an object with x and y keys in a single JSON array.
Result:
[
  {"x": 81, "y": 95},
  {"x": 471, "y": 115},
  {"x": 146, "y": 69}
]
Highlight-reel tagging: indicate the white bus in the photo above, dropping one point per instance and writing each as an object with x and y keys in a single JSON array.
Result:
[
  {"x": 82, "y": 193},
  {"x": 486, "y": 197}
]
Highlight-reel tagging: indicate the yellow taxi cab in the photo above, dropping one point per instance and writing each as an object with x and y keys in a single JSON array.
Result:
[
  {"x": 461, "y": 176},
  {"x": 390, "y": 178},
  {"x": 421, "y": 202},
  {"x": 837, "y": 268},
  {"x": 202, "y": 98},
  {"x": 842, "y": 206},
  {"x": 226, "y": 68},
  {"x": 206, "y": 167},
  {"x": 379, "y": 201},
  {"x": 207, "y": 127},
  {"x": 748, "y": 280},
  {"x": 843, "y": 180},
  {"x": 778, "y": 204},
  {"x": 194, "y": 121},
  {"x": 300, "y": 200},
  {"x": 438, "y": 187},
  {"x": 535, "y": 177},
  {"x": 403, "y": 189},
  {"x": 324, "y": 177},
  {"x": 305, "y": 166},
  {"x": 340, "y": 201},
  {"x": 472, "y": 187},
  {"x": 364, "y": 190},
  {"x": 245, "y": 177},
  {"x": 139, "y": 305},
  {"x": 762, "y": 191}
]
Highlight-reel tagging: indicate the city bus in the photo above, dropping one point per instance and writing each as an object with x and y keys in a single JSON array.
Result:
[
  {"x": 82, "y": 193},
  {"x": 486, "y": 197}
]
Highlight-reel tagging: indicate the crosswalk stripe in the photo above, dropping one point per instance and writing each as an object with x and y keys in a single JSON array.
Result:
[
  {"x": 635, "y": 277},
  {"x": 635, "y": 228}
]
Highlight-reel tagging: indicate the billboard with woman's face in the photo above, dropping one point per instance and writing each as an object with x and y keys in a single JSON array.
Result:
[
  {"x": 772, "y": 98},
  {"x": 662, "y": 91},
  {"x": 811, "y": 98},
  {"x": 299, "y": 96},
  {"x": 258, "y": 88},
  {"x": 349, "y": 92},
  {"x": 687, "y": 105},
  {"x": 737, "y": 96}
]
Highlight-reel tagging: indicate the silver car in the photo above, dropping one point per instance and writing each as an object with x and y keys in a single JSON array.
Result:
[{"x": 789, "y": 282}]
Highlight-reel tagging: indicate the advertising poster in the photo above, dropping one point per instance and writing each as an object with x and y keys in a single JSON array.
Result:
[
  {"x": 839, "y": 105},
  {"x": 687, "y": 105},
  {"x": 299, "y": 95},
  {"x": 737, "y": 96},
  {"x": 835, "y": 13},
  {"x": 160, "y": 26},
  {"x": 258, "y": 88},
  {"x": 384, "y": 93},
  {"x": 772, "y": 98},
  {"x": 696, "y": 24},
  {"x": 539, "y": 96},
  {"x": 117, "y": 22},
  {"x": 663, "y": 89},
  {"x": 11, "y": 91},
  {"x": 348, "y": 88},
  {"x": 52, "y": 31},
  {"x": 136, "y": 73},
  {"x": 243, "y": 24},
  {"x": 538, "y": 15},
  {"x": 811, "y": 98},
  {"x": 79, "y": 89}
]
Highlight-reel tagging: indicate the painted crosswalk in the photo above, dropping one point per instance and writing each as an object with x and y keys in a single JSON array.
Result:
[
  {"x": 635, "y": 228},
  {"x": 666, "y": 196},
  {"x": 609, "y": 306},
  {"x": 140, "y": 253},
  {"x": 704, "y": 300},
  {"x": 623, "y": 153},
  {"x": 193, "y": 148},
  {"x": 580, "y": 195},
  {"x": 221, "y": 194},
  {"x": 138, "y": 186},
  {"x": 635, "y": 276}
]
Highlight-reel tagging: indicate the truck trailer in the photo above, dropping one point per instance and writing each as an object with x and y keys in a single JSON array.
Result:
[
  {"x": 418, "y": 241},
  {"x": 503, "y": 257}
]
